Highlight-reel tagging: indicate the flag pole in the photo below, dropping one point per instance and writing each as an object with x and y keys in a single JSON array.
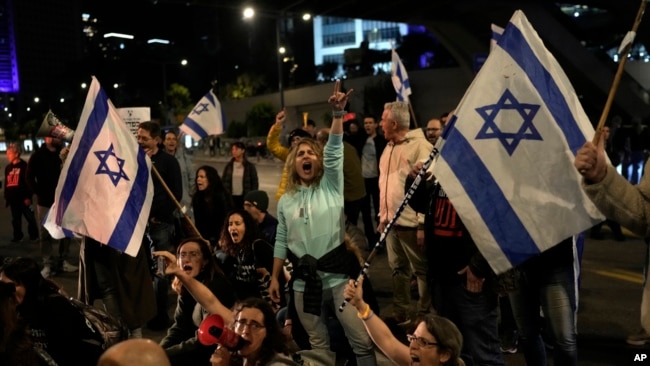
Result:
[
  {"x": 626, "y": 45},
  {"x": 413, "y": 114},
  {"x": 178, "y": 205},
  {"x": 382, "y": 238}
]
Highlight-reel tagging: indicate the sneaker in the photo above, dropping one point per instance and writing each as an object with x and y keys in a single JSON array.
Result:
[
  {"x": 46, "y": 272},
  {"x": 638, "y": 339},
  {"x": 67, "y": 267},
  {"x": 509, "y": 342}
]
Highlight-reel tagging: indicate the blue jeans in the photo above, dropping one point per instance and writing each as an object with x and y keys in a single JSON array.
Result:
[
  {"x": 476, "y": 316},
  {"x": 161, "y": 235},
  {"x": 553, "y": 290}
]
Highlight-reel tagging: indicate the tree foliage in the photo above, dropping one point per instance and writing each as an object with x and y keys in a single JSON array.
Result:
[
  {"x": 236, "y": 130},
  {"x": 247, "y": 85},
  {"x": 260, "y": 118},
  {"x": 180, "y": 101}
]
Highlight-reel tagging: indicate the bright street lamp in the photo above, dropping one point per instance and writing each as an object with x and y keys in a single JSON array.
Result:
[{"x": 279, "y": 16}]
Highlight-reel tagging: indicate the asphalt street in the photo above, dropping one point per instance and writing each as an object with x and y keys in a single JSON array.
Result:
[{"x": 610, "y": 282}]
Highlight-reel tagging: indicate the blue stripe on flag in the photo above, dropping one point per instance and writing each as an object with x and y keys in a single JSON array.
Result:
[
  {"x": 93, "y": 127},
  {"x": 209, "y": 96},
  {"x": 507, "y": 229},
  {"x": 121, "y": 236},
  {"x": 196, "y": 127},
  {"x": 517, "y": 46}
]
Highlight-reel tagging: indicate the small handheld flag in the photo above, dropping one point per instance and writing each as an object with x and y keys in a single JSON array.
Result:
[{"x": 205, "y": 119}]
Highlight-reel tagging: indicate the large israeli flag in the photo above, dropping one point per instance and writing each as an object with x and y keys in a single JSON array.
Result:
[
  {"x": 105, "y": 188},
  {"x": 400, "y": 78},
  {"x": 205, "y": 119},
  {"x": 507, "y": 160}
]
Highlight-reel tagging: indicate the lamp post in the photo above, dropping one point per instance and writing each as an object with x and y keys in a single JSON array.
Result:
[
  {"x": 279, "y": 16},
  {"x": 183, "y": 63},
  {"x": 279, "y": 57}
]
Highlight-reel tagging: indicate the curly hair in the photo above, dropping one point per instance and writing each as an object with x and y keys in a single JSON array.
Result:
[
  {"x": 293, "y": 180},
  {"x": 246, "y": 244},
  {"x": 215, "y": 186},
  {"x": 208, "y": 273},
  {"x": 275, "y": 341}
]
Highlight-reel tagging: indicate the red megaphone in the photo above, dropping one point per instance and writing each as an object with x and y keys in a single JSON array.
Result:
[{"x": 213, "y": 331}]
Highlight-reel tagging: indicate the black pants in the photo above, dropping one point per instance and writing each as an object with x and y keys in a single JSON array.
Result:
[{"x": 18, "y": 210}]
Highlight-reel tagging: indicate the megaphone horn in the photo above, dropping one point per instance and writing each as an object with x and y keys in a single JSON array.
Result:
[{"x": 53, "y": 127}]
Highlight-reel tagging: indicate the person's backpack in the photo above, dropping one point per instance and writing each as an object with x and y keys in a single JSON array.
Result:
[{"x": 104, "y": 330}]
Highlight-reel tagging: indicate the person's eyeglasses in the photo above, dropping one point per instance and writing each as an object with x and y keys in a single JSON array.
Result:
[
  {"x": 252, "y": 326},
  {"x": 192, "y": 254},
  {"x": 421, "y": 342}
]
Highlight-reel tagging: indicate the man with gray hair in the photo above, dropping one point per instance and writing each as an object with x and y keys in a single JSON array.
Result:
[{"x": 405, "y": 241}]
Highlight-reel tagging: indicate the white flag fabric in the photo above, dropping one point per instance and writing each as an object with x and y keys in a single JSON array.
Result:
[
  {"x": 105, "y": 188},
  {"x": 400, "y": 78},
  {"x": 507, "y": 159},
  {"x": 205, "y": 119},
  {"x": 496, "y": 34}
]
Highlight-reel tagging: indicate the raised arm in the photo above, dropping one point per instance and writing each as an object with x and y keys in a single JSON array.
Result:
[
  {"x": 273, "y": 138},
  {"x": 199, "y": 291},
  {"x": 378, "y": 330},
  {"x": 338, "y": 101}
]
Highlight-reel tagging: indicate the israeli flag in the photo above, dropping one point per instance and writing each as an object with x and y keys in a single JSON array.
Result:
[
  {"x": 496, "y": 34},
  {"x": 105, "y": 188},
  {"x": 507, "y": 159},
  {"x": 205, "y": 119},
  {"x": 400, "y": 78}
]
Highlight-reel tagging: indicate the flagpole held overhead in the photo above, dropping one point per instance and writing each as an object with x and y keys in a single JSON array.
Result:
[
  {"x": 401, "y": 82},
  {"x": 624, "y": 49}
]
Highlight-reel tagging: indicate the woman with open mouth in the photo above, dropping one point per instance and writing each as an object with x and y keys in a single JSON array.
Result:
[
  {"x": 436, "y": 341},
  {"x": 210, "y": 203},
  {"x": 252, "y": 319},
  {"x": 311, "y": 229},
  {"x": 249, "y": 257},
  {"x": 194, "y": 259}
]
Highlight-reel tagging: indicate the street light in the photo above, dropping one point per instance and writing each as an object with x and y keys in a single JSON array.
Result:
[
  {"x": 279, "y": 16},
  {"x": 183, "y": 62}
]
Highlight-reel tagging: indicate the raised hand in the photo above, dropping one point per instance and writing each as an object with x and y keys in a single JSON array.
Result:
[
  {"x": 281, "y": 117},
  {"x": 338, "y": 99}
]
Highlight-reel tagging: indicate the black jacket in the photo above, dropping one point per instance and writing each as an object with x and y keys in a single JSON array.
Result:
[
  {"x": 162, "y": 206},
  {"x": 447, "y": 254},
  {"x": 43, "y": 170},
  {"x": 180, "y": 343}
]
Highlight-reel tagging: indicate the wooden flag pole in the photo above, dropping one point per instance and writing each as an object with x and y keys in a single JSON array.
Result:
[
  {"x": 619, "y": 74},
  {"x": 413, "y": 114},
  {"x": 178, "y": 205}
]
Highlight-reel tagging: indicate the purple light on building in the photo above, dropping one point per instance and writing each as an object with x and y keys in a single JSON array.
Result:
[{"x": 8, "y": 61}]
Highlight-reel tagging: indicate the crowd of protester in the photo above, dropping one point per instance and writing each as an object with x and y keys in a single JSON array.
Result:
[{"x": 276, "y": 281}]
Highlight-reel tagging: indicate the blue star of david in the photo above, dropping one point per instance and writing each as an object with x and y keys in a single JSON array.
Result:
[
  {"x": 103, "y": 165},
  {"x": 509, "y": 140},
  {"x": 200, "y": 108}
]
